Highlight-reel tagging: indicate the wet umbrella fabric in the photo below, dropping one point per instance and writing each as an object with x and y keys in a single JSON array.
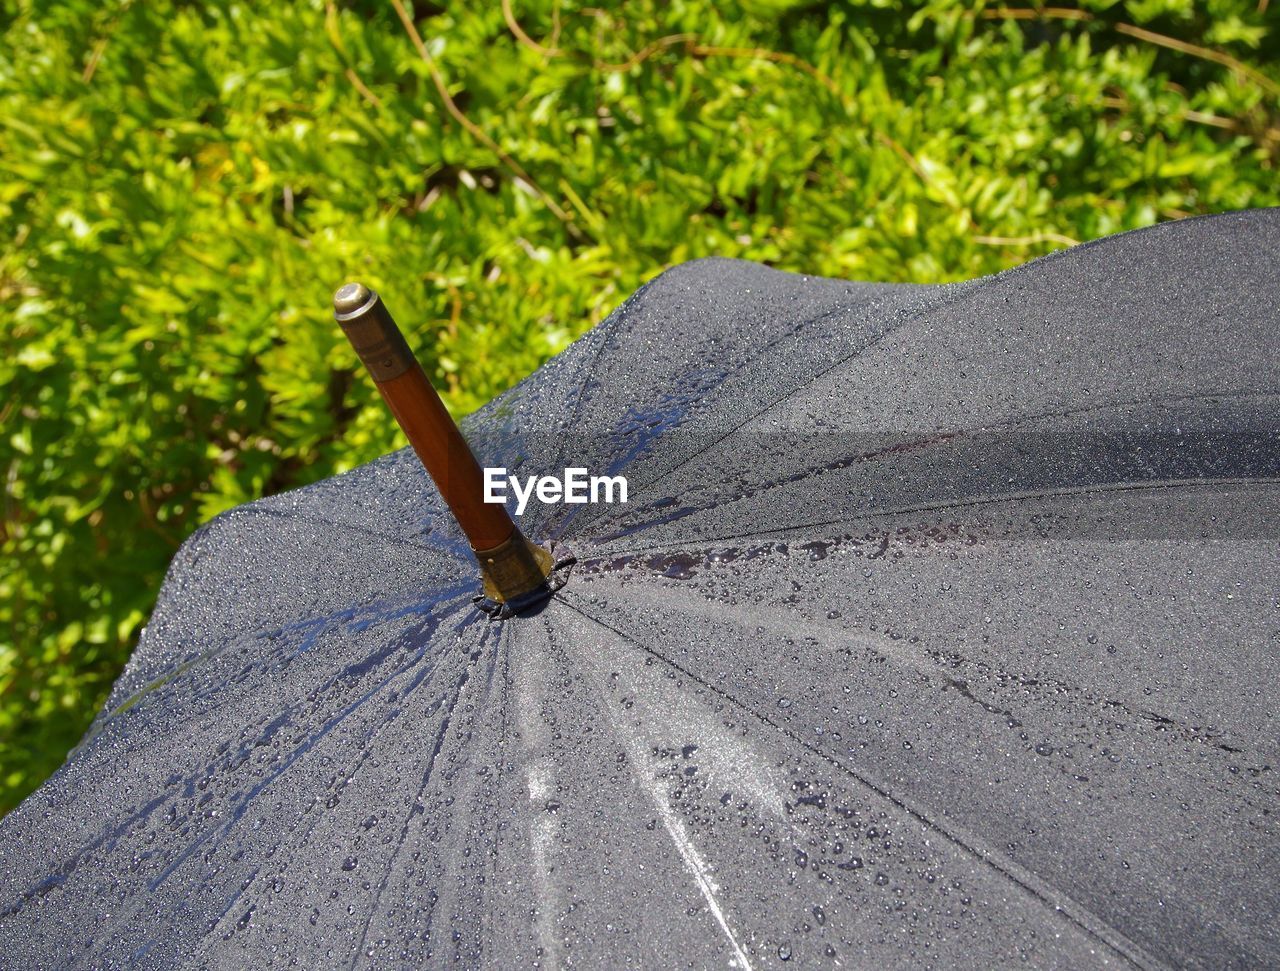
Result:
[{"x": 940, "y": 629}]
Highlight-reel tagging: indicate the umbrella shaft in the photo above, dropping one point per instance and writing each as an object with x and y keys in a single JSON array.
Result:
[
  {"x": 447, "y": 457},
  {"x": 514, "y": 569}
]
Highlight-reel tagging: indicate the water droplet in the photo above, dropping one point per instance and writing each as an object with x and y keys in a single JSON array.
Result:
[{"x": 784, "y": 952}]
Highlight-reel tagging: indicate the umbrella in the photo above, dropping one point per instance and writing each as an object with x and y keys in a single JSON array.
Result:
[{"x": 939, "y": 628}]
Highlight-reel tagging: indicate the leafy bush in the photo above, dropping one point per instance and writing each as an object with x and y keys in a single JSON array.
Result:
[{"x": 185, "y": 183}]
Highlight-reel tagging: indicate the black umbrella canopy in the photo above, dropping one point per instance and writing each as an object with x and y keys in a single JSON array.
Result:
[{"x": 940, "y": 629}]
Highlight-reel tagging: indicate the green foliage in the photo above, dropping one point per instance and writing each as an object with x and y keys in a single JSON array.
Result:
[{"x": 185, "y": 183}]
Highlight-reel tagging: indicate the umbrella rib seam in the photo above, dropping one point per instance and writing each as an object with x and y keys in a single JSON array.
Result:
[
  {"x": 913, "y": 317},
  {"x": 938, "y": 507},
  {"x": 866, "y": 308},
  {"x": 607, "y": 514},
  {"x": 1126, "y": 948}
]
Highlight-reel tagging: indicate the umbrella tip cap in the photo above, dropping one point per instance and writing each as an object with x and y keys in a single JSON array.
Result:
[{"x": 351, "y": 298}]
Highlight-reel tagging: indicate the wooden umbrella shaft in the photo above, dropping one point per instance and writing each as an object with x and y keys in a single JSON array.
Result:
[
  {"x": 426, "y": 422},
  {"x": 513, "y": 568},
  {"x": 452, "y": 466}
]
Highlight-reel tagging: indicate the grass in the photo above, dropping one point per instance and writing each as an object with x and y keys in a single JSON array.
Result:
[{"x": 183, "y": 184}]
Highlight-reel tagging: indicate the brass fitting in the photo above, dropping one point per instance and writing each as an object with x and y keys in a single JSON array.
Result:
[{"x": 514, "y": 569}]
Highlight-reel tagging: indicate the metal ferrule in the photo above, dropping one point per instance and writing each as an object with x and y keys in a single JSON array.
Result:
[
  {"x": 376, "y": 339},
  {"x": 514, "y": 569}
]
